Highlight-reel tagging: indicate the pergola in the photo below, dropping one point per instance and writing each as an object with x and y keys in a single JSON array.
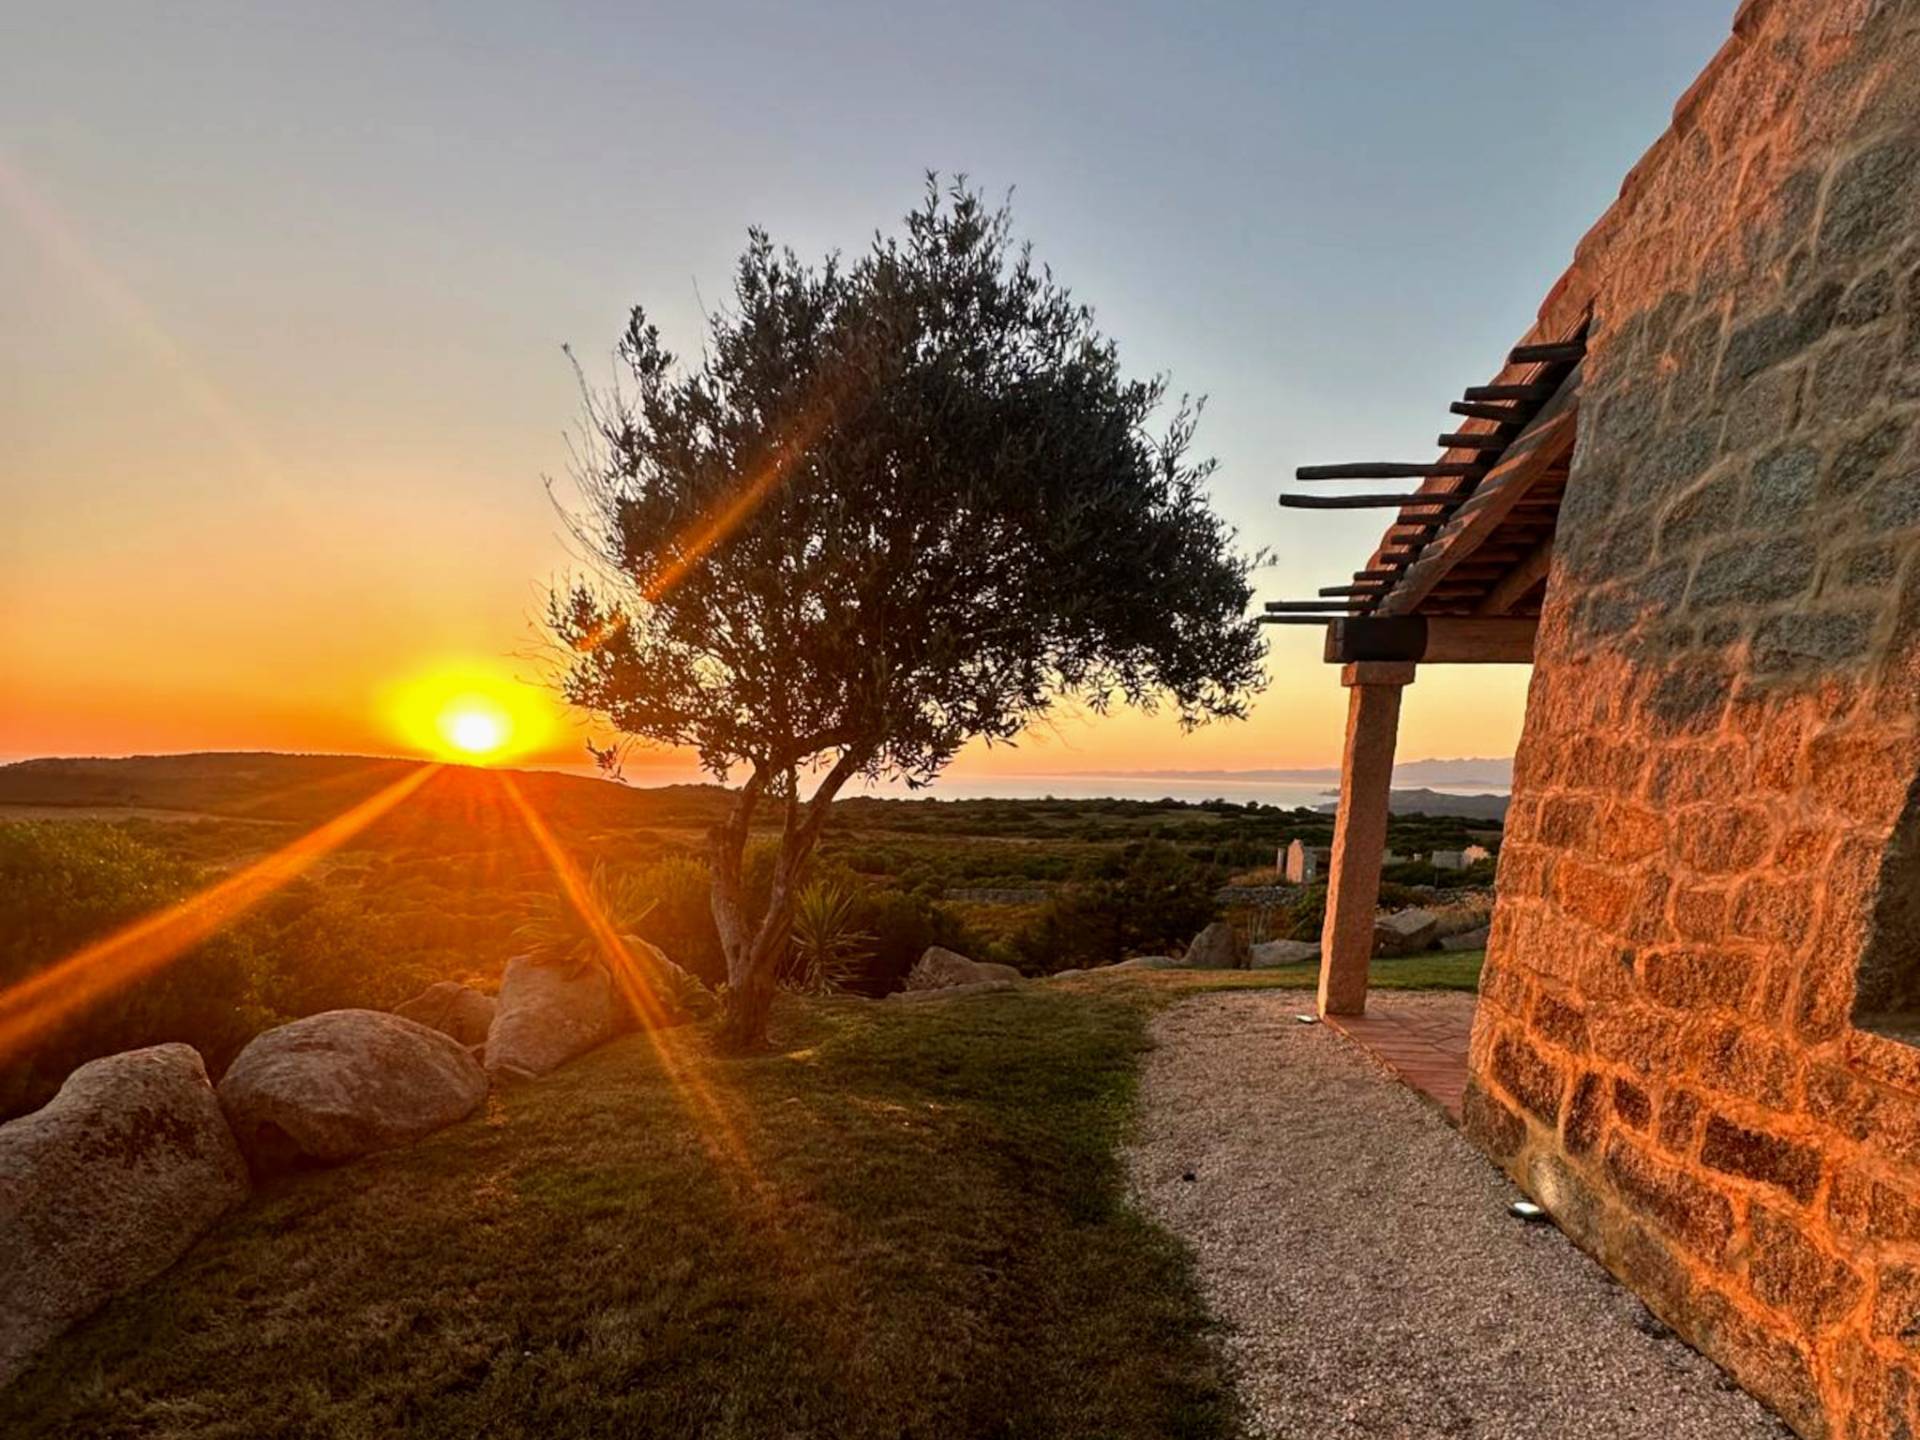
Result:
[{"x": 1457, "y": 579}]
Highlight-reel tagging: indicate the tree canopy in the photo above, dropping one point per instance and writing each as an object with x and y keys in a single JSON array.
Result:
[{"x": 896, "y": 504}]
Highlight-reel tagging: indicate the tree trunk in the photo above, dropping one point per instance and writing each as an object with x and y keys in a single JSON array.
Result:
[
  {"x": 753, "y": 957},
  {"x": 749, "y": 999}
]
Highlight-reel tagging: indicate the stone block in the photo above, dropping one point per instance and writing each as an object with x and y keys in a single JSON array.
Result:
[
  {"x": 1736, "y": 1149},
  {"x": 1847, "y": 378},
  {"x": 1690, "y": 697},
  {"x": 1693, "y": 1213},
  {"x": 1699, "y": 912},
  {"x": 1680, "y": 1112},
  {"x": 1698, "y": 978},
  {"x": 1862, "y": 459},
  {"x": 1796, "y": 1276},
  {"x": 1560, "y": 1023},
  {"x": 1631, "y": 1103},
  {"x": 1529, "y": 1078},
  {"x": 1749, "y": 573},
  {"x": 1743, "y": 1060},
  {"x": 1490, "y": 1124},
  {"x": 1637, "y": 1038},
  {"x": 1800, "y": 640},
  {"x": 1871, "y": 201},
  {"x": 1586, "y": 1114},
  {"x": 1864, "y": 1210},
  {"x": 1724, "y": 838},
  {"x": 1868, "y": 299},
  {"x": 1896, "y": 1304},
  {"x": 1782, "y": 488},
  {"x": 1777, "y": 336},
  {"x": 1593, "y": 895},
  {"x": 1776, "y": 912}
]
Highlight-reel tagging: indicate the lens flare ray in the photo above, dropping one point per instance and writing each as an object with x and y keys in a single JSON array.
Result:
[
  {"x": 679, "y": 1065},
  {"x": 41, "y": 1001}
]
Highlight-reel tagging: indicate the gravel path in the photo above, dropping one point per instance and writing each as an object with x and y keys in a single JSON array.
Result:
[{"x": 1360, "y": 1254}]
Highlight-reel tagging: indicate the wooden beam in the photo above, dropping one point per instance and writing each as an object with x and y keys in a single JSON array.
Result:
[
  {"x": 1373, "y": 588},
  {"x": 1500, "y": 414},
  {"x": 1370, "y": 502},
  {"x": 1533, "y": 392},
  {"x": 1547, "y": 440},
  {"x": 1384, "y": 470},
  {"x": 1474, "y": 440},
  {"x": 1431, "y": 639},
  {"x": 1293, "y": 607},
  {"x": 1519, "y": 582},
  {"x": 1566, "y": 352}
]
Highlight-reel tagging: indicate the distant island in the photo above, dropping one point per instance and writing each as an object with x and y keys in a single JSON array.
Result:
[
  {"x": 1490, "y": 774},
  {"x": 1435, "y": 802}
]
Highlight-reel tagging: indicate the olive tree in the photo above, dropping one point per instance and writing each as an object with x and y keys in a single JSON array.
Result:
[{"x": 897, "y": 504}]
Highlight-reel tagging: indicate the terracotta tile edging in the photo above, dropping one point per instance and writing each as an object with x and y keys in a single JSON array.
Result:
[{"x": 1438, "y": 1076}]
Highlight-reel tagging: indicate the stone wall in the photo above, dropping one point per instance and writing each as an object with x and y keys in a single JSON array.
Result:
[{"x": 1713, "y": 831}]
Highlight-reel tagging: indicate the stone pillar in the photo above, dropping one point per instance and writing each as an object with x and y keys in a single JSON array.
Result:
[{"x": 1360, "y": 832}]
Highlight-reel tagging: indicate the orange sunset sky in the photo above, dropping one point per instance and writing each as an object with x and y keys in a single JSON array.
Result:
[{"x": 285, "y": 303}]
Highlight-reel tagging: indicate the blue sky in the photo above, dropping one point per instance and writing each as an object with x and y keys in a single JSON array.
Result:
[{"x": 292, "y": 283}]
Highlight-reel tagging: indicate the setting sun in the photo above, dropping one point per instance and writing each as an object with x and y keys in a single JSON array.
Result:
[
  {"x": 475, "y": 727},
  {"x": 472, "y": 714}
]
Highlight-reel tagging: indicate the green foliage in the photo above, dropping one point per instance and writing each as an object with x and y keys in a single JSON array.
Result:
[
  {"x": 948, "y": 509},
  {"x": 558, "y": 931},
  {"x": 828, "y": 948},
  {"x": 1148, "y": 897},
  {"x": 681, "y": 920},
  {"x": 66, "y": 884}
]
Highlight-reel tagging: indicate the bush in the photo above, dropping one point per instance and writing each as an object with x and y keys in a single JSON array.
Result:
[
  {"x": 1148, "y": 896},
  {"x": 681, "y": 921},
  {"x": 66, "y": 884}
]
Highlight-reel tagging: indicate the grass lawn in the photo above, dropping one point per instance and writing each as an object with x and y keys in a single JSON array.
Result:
[
  {"x": 921, "y": 1231},
  {"x": 1434, "y": 970}
]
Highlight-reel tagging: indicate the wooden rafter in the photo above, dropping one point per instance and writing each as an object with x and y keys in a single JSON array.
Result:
[
  {"x": 1545, "y": 443},
  {"x": 1519, "y": 582}
]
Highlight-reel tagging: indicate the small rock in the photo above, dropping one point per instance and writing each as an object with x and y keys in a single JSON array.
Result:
[
  {"x": 943, "y": 969},
  {"x": 1218, "y": 947},
  {"x": 1404, "y": 932},
  {"x": 548, "y": 1013},
  {"x": 1469, "y": 940},
  {"x": 1144, "y": 962},
  {"x": 1274, "y": 953}
]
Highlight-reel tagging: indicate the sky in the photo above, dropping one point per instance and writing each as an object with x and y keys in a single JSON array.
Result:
[{"x": 285, "y": 290}]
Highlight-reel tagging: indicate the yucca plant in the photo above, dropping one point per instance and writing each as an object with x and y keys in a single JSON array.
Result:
[
  {"x": 556, "y": 932},
  {"x": 825, "y": 941}
]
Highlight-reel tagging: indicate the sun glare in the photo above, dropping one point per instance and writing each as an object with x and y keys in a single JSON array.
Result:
[
  {"x": 471, "y": 715},
  {"x": 475, "y": 728}
]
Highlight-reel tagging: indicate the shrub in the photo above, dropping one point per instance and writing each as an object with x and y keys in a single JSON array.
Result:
[
  {"x": 1148, "y": 896},
  {"x": 829, "y": 948},
  {"x": 681, "y": 922},
  {"x": 66, "y": 884}
]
